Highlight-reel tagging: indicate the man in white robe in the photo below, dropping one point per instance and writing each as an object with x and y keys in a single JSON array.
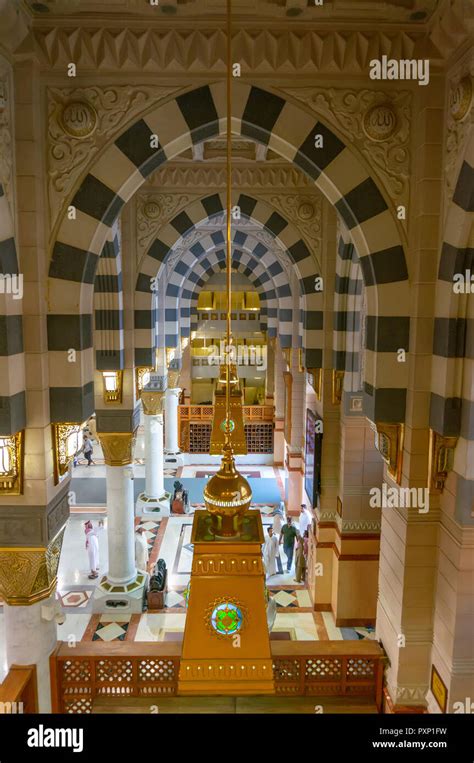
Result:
[
  {"x": 141, "y": 549},
  {"x": 92, "y": 547},
  {"x": 270, "y": 552},
  {"x": 305, "y": 520}
]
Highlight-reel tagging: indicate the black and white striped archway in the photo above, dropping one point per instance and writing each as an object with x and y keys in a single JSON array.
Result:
[{"x": 287, "y": 129}]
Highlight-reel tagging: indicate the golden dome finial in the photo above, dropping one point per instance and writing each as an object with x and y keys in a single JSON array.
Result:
[{"x": 227, "y": 495}]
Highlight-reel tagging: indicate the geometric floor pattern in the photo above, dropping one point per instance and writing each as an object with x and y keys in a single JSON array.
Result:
[
  {"x": 112, "y": 628},
  {"x": 287, "y": 598},
  {"x": 76, "y": 599}
]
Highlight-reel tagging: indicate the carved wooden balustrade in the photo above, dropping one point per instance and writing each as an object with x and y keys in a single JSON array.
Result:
[
  {"x": 124, "y": 670},
  {"x": 195, "y": 424},
  {"x": 18, "y": 692}
]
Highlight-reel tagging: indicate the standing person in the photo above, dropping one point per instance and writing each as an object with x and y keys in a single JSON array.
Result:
[
  {"x": 88, "y": 450},
  {"x": 270, "y": 553},
  {"x": 304, "y": 519},
  {"x": 288, "y": 537},
  {"x": 141, "y": 549},
  {"x": 92, "y": 548},
  {"x": 278, "y": 518},
  {"x": 300, "y": 561}
]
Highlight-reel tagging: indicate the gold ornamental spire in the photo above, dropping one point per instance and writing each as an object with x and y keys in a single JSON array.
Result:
[
  {"x": 229, "y": 208},
  {"x": 227, "y": 495}
]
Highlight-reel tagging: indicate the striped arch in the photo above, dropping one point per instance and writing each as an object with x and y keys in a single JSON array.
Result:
[
  {"x": 258, "y": 261},
  {"x": 452, "y": 387},
  {"x": 216, "y": 263},
  {"x": 277, "y": 317},
  {"x": 286, "y": 236},
  {"x": 347, "y": 323},
  {"x": 289, "y": 130},
  {"x": 108, "y": 306},
  {"x": 12, "y": 359}
]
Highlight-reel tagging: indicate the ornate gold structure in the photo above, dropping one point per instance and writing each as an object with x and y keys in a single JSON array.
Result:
[
  {"x": 117, "y": 447},
  {"x": 11, "y": 464},
  {"x": 29, "y": 574},
  {"x": 441, "y": 459},
  {"x": 173, "y": 378},
  {"x": 337, "y": 386},
  {"x": 140, "y": 381},
  {"x": 152, "y": 401},
  {"x": 389, "y": 443},
  {"x": 316, "y": 380},
  {"x": 226, "y": 571},
  {"x": 227, "y": 496},
  {"x": 66, "y": 444},
  {"x": 236, "y": 416},
  {"x": 227, "y": 583},
  {"x": 113, "y": 384}
]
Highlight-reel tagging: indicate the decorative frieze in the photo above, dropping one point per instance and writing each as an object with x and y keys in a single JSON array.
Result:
[
  {"x": 183, "y": 177},
  {"x": 175, "y": 50}
]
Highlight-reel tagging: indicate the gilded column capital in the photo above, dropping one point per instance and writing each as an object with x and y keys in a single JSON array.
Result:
[
  {"x": 117, "y": 447},
  {"x": 173, "y": 378},
  {"x": 29, "y": 574},
  {"x": 152, "y": 400}
]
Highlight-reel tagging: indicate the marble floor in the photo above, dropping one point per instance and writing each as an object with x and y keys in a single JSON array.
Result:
[{"x": 169, "y": 539}]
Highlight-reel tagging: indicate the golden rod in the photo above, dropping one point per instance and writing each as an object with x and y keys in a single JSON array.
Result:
[{"x": 229, "y": 207}]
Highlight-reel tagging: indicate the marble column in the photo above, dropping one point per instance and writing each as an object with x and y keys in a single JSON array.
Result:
[
  {"x": 122, "y": 582},
  {"x": 171, "y": 417},
  {"x": 154, "y": 499},
  {"x": 30, "y": 638}
]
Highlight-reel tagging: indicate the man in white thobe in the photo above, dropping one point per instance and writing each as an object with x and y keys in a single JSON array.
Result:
[
  {"x": 141, "y": 549},
  {"x": 305, "y": 520},
  {"x": 270, "y": 552},
  {"x": 92, "y": 547}
]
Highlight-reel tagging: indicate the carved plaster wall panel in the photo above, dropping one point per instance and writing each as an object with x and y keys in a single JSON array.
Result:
[
  {"x": 80, "y": 123},
  {"x": 205, "y": 177},
  {"x": 376, "y": 122},
  {"x": 155, "y": 210}
]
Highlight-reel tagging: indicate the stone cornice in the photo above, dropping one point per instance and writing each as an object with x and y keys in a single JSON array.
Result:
[{"x": 103, "y": 47}]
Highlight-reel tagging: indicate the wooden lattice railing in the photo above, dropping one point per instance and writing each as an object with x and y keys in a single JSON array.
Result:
[
  {"x": 206, "y": 412},
  {"x": 122, "y": 670},
  {"x": 118, "y": 669}
]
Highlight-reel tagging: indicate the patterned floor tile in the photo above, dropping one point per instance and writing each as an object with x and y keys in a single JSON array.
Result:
[
  {"x": 111, "y": 631},
  {"x": 285, "y": 599},
  {"x": 174, "y": 599},
  {"x": 75, "y": 598}
]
